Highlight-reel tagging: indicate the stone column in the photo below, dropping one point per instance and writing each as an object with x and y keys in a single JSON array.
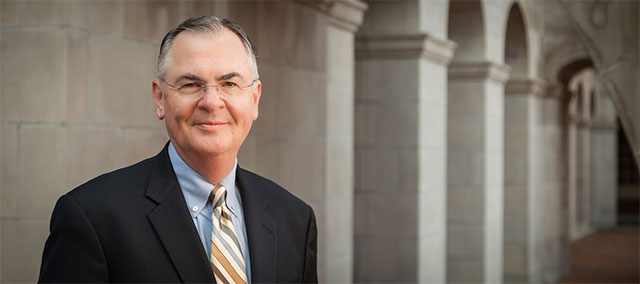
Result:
[
  {"x": 400, "y": 158},
  {"x": 604, "y": 171},
  {"x": 475, "y": 157},
  {"x": 337, "y": 264},
  {"x": 581, "y": 87},
  {"x": 524, "y": 233},
  {"x": 572, "y": 163},
  {"x": 304, "y": 136}
]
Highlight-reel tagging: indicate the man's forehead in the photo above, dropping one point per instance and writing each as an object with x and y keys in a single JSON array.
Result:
[
  {"x": 222, "y": 36},
  {"x": 197, "y": 48}
]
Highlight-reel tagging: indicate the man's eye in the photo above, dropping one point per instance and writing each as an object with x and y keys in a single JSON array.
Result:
[
  {"x": 190, "y": 85},
  {"x": 228, "y": 84}
]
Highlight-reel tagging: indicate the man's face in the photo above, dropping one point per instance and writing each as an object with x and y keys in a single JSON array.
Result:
[{"x": 210, "y": 123}]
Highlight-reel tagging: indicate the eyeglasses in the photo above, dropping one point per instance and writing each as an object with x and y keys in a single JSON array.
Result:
[{"x": 196, "y": 89}]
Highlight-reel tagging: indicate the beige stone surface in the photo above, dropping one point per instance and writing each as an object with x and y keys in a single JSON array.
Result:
[
  {"x": 247, "y": 156},
  {"x": 398, "y": 264},
  {"x": 432, "y": 171},
  {"x": 9, "y": 175},
  {"x": 23, "y": 54},
  {"x": 375, "y": 83},
  {"x": 303, "y": 107},
  {"x": 118, "y": 97},
  {"x": 274, "y": 160},
  {"x": 377, "y": 168},
  {"x": 42, "y": 183},
  {"x": 9, "y": 12},
  {"x": 409, "y": 165},
  {"x": 140, "y": 144},
  {"x": 270, "y": 103},
  {"x": 433, "y": 126},
  {"x": 338, "y": 228},
  {"x": 21, "y": 245},
  {"x": 431, "y": 216},
  {"x": 464, "y": 271},
  {"x": 340, "y": 169},
  {"x": 193, "y": 8},
  {"x": 401, "y": 17},
  {"x": 516, "y": 268},
  {"x": 340, "y": 55},
  {"x": 464, "y": 169},
  {"x": 298, "y": 36},
  {"x": 92, "y": 152},
  {"x": 244, "y": 13},
  {"x": 339, "y": 269},
  {"x": 378, "y": 215},
  {"x": 44, "y": 13},
  {"x": 99, "y": 16},
  {"x": 340, "y": 108},
  {"x": 465, "y": 132},
  {"x": 149, "y": 20},
  {"x": 465, "y": 206},
  {"x": 396, "y": 124},
  {"x": 432, "y": 252},
  {"x": 77, "y": 94},
  {"x": 308, "y": 171},
  {"x": 365, "y": 130}
]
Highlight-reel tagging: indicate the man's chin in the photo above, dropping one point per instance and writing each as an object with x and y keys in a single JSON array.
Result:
[{"x": 211, "y": 148}]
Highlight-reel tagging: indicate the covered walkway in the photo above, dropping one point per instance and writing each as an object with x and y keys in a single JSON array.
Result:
[{"x": 606, "y": 256}]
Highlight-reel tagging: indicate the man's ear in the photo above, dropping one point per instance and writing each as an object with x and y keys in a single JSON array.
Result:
[
  {"x": 158, "y": 98},
  {"x": 256, "y": 98}
]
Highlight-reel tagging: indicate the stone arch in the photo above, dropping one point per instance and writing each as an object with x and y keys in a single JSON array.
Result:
[
  {"x": 516, "y": 52},
  {"x": 474, "y": 148},
  {"x": 466, "y": 28},
  {"x": 577, "y": 89},
  {"x": 520, "y": 131}
]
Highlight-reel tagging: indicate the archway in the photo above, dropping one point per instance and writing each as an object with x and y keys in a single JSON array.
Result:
[
  {"x": 523, "y": 198},
  {"x": 474, "y": 150}
]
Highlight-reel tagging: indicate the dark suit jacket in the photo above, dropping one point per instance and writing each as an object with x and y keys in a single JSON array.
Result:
[{"x": 133, "y": 225}]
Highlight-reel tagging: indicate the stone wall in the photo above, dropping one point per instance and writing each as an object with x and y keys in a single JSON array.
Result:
[{"x": 76, "y": 102}]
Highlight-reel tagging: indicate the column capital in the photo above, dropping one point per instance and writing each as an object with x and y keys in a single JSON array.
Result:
[
  {"x": 535, "y": 87},
  {"x": 343, "y": 14},
  {"x": 496, "y": 72},
  {"x": 406, "y": 46}
]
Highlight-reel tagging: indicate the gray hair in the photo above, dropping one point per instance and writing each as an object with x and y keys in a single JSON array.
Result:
[{"x": 204, "y": 24}]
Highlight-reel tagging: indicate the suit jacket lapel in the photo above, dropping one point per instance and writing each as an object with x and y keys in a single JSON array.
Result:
[
  {"x": 261, "y": 229},
  {"x": 174, "y": 225}
]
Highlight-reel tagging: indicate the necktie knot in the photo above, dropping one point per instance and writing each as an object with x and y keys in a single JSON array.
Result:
[{"x": 218, "y": 196}]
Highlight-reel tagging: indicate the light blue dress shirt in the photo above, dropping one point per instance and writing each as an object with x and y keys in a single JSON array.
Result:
[{"x": 196, "y": 190}]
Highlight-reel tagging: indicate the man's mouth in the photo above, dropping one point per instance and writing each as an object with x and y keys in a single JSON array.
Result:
[{"x": 210, "y": 125}]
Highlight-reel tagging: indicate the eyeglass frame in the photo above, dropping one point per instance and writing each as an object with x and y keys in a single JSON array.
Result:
[{"x": 203, "y": 87}]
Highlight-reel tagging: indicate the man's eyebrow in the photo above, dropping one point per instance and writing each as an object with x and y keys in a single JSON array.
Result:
[
  {"x": 188, "y": 77},
  {"x": 228, "y": 76}
]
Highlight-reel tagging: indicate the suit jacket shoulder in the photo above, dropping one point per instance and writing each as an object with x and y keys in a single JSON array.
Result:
[
  {"x": 120, "y": 184},
  {"x": 270, "y": 191},
  {"x": 281, "y": 232},
  {"x": 129, "y": 225}
]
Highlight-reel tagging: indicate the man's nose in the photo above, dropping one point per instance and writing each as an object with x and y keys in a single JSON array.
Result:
[{"x": 211, "y": 97}]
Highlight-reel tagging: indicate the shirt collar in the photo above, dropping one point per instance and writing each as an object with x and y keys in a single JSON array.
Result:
[{"x": 196, "y": 189}]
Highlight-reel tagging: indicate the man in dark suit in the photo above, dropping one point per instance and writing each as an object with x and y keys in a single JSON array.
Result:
[{"x": 189, "y": 214}]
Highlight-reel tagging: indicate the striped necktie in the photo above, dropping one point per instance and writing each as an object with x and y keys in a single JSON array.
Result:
[{"x": 227, "y": 260}]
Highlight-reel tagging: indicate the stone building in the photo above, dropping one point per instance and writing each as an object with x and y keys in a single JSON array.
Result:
[{"x": 437, "y": 141}]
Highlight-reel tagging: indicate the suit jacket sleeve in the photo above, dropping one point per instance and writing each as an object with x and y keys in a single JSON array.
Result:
[
  {"x": 310, "y": 274},
  {"x": 73, "y": 252}
]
